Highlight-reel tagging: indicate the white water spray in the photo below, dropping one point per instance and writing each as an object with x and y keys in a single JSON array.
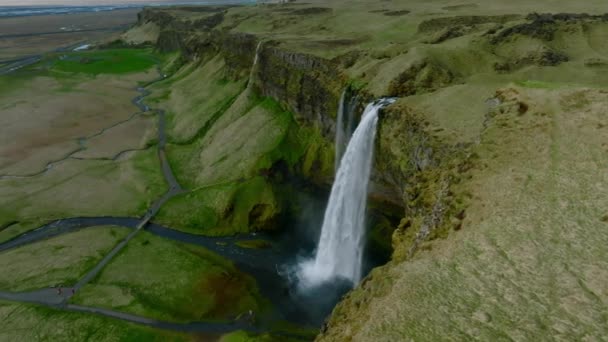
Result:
[{"x": 340, "y": 249}]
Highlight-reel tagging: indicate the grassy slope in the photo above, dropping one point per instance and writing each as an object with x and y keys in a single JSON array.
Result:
[
  {"x": 223, "y": 139},
  {"x": 225, "y": 169},
  {"x": 59, "y": 261},
  {"x": 23, "y": 322},
  {"x": 194, "y": 97},
  {"x": 160, "y": 279}
]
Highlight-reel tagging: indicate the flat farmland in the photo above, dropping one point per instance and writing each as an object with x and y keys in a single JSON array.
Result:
[{"x": 32, "y": 35}]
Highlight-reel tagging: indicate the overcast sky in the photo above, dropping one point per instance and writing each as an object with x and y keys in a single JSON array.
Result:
[{"x": 85, "y": 2}]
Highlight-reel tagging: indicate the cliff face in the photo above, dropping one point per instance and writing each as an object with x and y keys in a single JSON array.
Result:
[{"x": 307, "y": 85}]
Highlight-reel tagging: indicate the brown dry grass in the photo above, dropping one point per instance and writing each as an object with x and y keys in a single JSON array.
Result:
[
  {"x": 41, "y": 120},
  {"x": 133, "y": 134}
]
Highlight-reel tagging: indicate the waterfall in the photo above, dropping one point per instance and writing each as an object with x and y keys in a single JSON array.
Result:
[
  {"x": 340, "y": 131},
  {"x": 340, "y": 249},
  {"x": 255, "y": 62},
  {"x": 344, "y": 125},
  {"x": 350, "y": 120}
]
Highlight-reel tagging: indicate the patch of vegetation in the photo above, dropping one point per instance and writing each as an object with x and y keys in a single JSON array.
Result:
[
  {"x": 61, "y": 260},
  {"x": 254, "y": 244},
  {"x": 142, "y": 280},
  {"x": 26, "y": 322},
  {"x": 543, "y": 57},
  {"x": 199, "y": 211},
  {"x": 146, "y": 167},
  {"x": 11, "y": 82},
  {"x": 111, "y": 61}
]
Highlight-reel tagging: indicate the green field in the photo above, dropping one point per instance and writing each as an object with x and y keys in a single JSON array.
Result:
[
  {"x": 112, "y": 61},
  {"x": 157, "y": 278},
  {"x": 62, "y": 260}
]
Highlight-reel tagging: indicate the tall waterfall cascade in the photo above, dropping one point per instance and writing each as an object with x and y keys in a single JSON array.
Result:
[
  {"x": 345, "y": 119},
  {"x": 340, "y": 250},
  {"x": 340, "y": 131},
  {"x": 255, "y": 63}
]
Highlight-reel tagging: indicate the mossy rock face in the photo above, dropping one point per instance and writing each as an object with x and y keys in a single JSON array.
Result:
[
  {"x": 423, "y": 169},
  {"x": 238, "y": 51},
  {"x": 209, "y": 22},
  {"x": 169, "y": 41},
  {"x": 380, "y": 235},
  {"x": 254, "y": 207},
  {"x": 308, "y": 85},
  {"x": 406, "y": 149},
  {"x": 161, "y": 18}
]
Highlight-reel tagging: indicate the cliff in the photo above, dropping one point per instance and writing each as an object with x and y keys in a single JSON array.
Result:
[{"x": 479, "y": 112}]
